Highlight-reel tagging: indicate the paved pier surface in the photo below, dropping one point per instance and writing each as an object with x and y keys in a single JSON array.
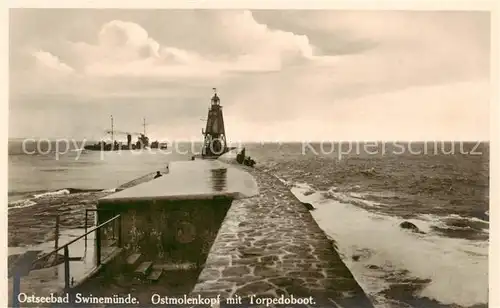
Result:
[
  {"x": 269, "y": 245},
  {"x": 143, "y": 179},
  {"x": 199, "y": 179}
]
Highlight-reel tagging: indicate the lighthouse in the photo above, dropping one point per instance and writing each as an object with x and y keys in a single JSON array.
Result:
[{"x": 214, "y": 143}]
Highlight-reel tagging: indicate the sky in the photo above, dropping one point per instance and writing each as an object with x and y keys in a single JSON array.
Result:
[{"x": 282, "y": 75}]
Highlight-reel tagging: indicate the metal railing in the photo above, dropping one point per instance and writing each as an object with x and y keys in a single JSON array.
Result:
[
  {"x": 116, "y": 224},
  {"x": 102, "y": 239}
]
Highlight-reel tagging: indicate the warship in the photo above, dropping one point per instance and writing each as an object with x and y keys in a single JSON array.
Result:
[{"x": 141, "y": 143}]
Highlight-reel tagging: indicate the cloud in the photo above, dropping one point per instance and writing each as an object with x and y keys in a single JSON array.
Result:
[
  {"x": 438, "y": 112},
  {"x": 259, "y": 39},
  {"x": 124, "y": 53},
  {"x": 119, "y": 34},
  {"x": 126, "y": 49},
  {"x": 46, "y": 60},
  {"x": 405, "y": 47},
  {"x": 281, "y": 73},
  {"x": 401, "y": 49}
]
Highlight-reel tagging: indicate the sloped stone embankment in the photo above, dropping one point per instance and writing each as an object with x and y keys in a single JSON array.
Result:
[{"x": 270, "y": 246}]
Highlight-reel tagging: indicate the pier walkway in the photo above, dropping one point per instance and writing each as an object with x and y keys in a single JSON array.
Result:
[
  {"x": 269, "y": 245},
  {"x": 190, "y": 180}
]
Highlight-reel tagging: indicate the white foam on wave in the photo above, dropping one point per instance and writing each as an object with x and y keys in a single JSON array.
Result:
[
  {"x": 457, "y": 268},
  {"x": 439, "y": 221},
  {"x": 469, "y": 218},
  {"x": 351, "y": 197},
  {"x": 52, "y": 193},
  {"x": 19, "y": 204},
  {"x": 285, "y": 182}
]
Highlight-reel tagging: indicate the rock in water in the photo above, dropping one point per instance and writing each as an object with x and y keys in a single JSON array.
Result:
[
  {"x": 368, "y": 172},
  {"x": 410, "y": 226},
  {"x": 308, "y": 206},
  {"x": 309, "y": 192}
]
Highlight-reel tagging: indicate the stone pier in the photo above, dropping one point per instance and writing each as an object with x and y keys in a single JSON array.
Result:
[{"x": 270, "y": 246}]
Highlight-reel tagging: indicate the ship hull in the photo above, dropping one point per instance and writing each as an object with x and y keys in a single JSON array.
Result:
[{"x": 109, "y": 148}]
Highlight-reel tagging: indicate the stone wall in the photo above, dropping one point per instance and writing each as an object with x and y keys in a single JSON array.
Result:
[
  {"x": 169, "y": 231},
  {"x": 270, "y": 245}
]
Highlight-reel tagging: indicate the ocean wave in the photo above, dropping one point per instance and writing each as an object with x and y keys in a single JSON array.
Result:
[
  {"x": 288, "y": 184},
  {"x": 457, "y": 226},
  {"x": 52, "y": 193},
  {"x": 48, "y": 193},
  {"x": 389, "y": 261},
  {"x": 32, "y": 197},
  {"x": 476, "y": 219},
  {"x": 439, "y": 219},
  {"x": 451, "y": 225},
  {"x": 354, "y": 198},
  {"x": 18, "y": 204}
]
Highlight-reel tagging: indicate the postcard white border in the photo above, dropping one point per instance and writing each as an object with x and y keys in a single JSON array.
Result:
[{"x": 492, "y": 6}]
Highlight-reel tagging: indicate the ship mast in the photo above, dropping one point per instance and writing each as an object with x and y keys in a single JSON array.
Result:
[{"x": 112, "y": 131}]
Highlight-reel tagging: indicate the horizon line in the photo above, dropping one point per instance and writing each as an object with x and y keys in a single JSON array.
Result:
[{"x": 53, "y": 139}]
